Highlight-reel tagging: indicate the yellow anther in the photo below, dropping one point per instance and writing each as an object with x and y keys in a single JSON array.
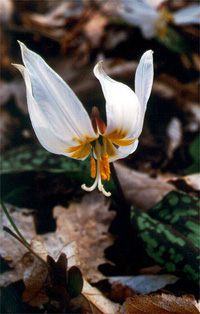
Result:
[
  {"x": 162, "y": 24},
  {"x": 93, "y": 167},
  {"x": 105, "y": 168}
]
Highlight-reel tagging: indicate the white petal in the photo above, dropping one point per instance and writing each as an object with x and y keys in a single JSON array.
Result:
[
  {"x": 188, "y": 15},
  {"x": 142, "y": 15},
  {"x": 155, "y": 3},
  {"x": 144, "y": 78},
  {"x": 66, "y": 116},
  {"x": 39, "y": 122},
  {"x": 122, "y": 105},
  {"x": 124, "y": 151}
]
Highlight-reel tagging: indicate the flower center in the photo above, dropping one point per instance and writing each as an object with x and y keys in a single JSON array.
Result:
[
  {"x": 102, "y": 164},
  {"x": 163, "y": 21}
]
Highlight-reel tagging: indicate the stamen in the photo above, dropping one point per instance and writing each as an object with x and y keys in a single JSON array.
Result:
[
  {"x": 162, "y": 24},
  {"x": 93, "y": 167},
  {"x": 105, "y": 168}
]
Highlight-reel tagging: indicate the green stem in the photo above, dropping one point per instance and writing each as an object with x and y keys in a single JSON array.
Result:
[
  {"x": 12, "y": 223},
  {"x": 125, "y": 208}
]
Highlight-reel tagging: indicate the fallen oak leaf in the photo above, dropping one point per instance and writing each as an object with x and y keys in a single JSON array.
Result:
[
  {"x": 35, "y": 275},
  {"x": 37, "y": 281},
  {"x": 87, "y": 223},
  {"x": 157, "y": 304},
  {"x": 87, "y": 299}
]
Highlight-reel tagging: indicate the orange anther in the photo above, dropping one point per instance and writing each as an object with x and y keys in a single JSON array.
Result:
[{"x": 93, "y": 167}]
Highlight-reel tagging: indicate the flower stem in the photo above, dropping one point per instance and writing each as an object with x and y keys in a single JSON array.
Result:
[{"x": 124, "y": 206}]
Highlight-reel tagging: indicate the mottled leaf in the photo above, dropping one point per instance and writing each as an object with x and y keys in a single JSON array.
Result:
[
  {"x": 170, "y": 234},
  {"x": 87, "y": 223},
  {"x": 36, "y": 158}
]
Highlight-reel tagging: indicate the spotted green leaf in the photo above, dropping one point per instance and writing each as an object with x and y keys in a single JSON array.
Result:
[
  {"x": 171, "y": 234},
  {"x": 20, "y": 167},
  {"x": 35, "y": 158}
]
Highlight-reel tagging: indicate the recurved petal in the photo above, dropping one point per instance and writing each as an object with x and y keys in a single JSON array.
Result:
[
  {"x": 188, "y": 15},
  {"x": 144, "y": 78},
  {"x": 65, "y": 114},
  {"x": 41, "y": 125},
  {"x": 123, "y": 151},
  {"x": 122, "y": 105}
]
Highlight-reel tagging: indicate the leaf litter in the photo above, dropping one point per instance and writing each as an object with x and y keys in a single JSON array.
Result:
[
  {"x": 83, "y": 246},
  {"x": 166, "y": 160},
  {"x": 164, "y": 303}
]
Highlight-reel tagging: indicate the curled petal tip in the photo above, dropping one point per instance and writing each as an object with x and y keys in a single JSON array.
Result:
[
  {"x": 100, "y": 62},
  {"x": 150, "y": 52},
  {"x": 98, "y": 68},
  {"x": 20, "y": 44},
  {"x": 17, "y": 66}
]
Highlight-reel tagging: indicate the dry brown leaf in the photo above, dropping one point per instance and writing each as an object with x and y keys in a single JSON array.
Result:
[
  {"x": 35, "y": 275},
  {"x": 119, "y": 293},
  {"x": 8, "y": 127},
  {"x": 94, "y": 29},
  {"x": 160, "y": 304},
  {"x": 87, "y": 223},
  {"x": 36, "y": 279},
  {"x": 140, "y": 189},
  {"x": 53, "y": 23},
  {"x": 6, "y": 11},
  {"x": 190, "y": 183},
  {"x": 92, "y": 301},
  {"x": 11, "y": 250}
]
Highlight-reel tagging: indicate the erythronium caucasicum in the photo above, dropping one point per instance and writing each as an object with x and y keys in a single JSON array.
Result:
[
  {"x": 153, "y": 17},
  {"x": 63, "y": 126}
]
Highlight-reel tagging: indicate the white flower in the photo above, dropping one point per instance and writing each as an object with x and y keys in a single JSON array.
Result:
[
  {"x": 153, "y": 18},
  {"x": 63, "y": 126}
]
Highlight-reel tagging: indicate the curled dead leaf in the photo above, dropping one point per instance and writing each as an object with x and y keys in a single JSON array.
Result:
[
  {"x": 140, "y": 189},
  {"x": 188, "y": 183}
]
